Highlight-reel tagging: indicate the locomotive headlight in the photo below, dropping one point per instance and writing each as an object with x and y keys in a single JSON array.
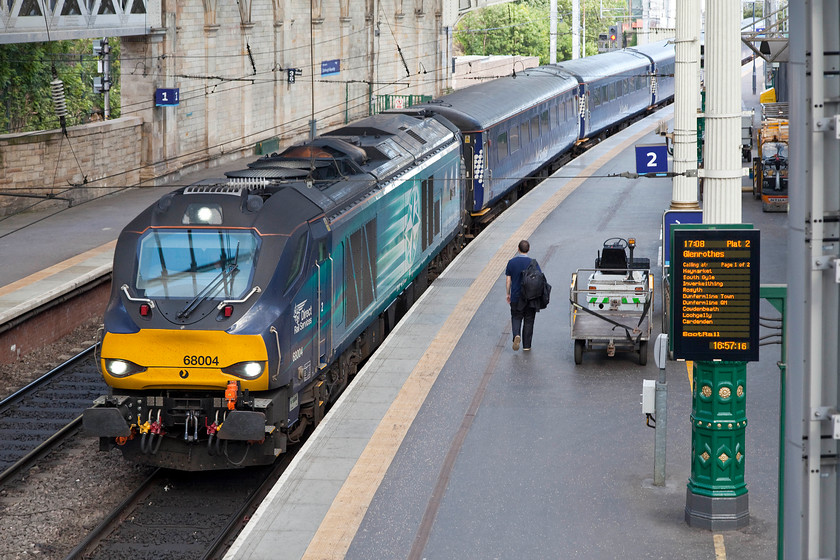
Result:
[
  {"x": 209, "y": 214},
  {"x": 204, "y": 214},
  {"x": 122, "y": 368},
  {"x": 245, "y": 370}
]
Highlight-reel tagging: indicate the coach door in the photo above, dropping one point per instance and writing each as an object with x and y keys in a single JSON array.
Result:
[
  {"x": 652, "y": 83},
  {"x": 583, "y": 110},
  {"x": 469, "y": 167},
  {"x": 323, "y": 268}
]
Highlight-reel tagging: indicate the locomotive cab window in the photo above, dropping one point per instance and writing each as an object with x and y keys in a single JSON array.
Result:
[
  {"x": 182, "y": 263},
  {"x": 297, "y": 261}
]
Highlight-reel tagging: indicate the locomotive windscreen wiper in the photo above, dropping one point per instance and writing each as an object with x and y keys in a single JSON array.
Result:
[{"x": 212, "y": 286}]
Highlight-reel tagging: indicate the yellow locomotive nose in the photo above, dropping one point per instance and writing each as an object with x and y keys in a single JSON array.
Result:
[{"x": 166, "y": 359}]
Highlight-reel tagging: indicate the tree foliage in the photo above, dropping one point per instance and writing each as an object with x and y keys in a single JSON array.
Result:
[
  {"x": 26, "y": 70},
  {"x": 523, "y": 27},
  {"x": 753, "y": 9}
]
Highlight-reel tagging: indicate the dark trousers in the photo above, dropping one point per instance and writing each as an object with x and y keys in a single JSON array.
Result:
[{"x": 522, "y": 322}]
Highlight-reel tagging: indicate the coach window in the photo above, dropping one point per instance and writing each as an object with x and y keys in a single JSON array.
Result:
[
  {"x": 502, "y": 146},
  {"x": 611, "y": 92},
  {"x": 618, "y": 91},
  {"x": 544, "y": 120},
  {"x": 535, "y": 128},
  {"x": 596, "y": 97},
  {"x": 524, "y": 137},
  {"x": 514, "y": 138}
]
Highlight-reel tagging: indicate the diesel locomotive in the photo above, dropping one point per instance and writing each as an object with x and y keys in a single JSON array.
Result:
[{"x": 241, "y": 307}]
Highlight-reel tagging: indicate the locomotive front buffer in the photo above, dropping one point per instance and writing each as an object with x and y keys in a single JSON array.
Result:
[{"x": 221, "y": 431}]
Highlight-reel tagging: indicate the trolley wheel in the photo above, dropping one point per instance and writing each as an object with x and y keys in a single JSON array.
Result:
[
  {"x": 579, "y": 345},
  {"x": 643, "y": 352}
]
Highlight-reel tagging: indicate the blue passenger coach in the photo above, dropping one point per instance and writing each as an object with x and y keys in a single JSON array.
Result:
[
  {"x": 511, "y": 127},
  {"x": 514, "y": 126},
  {"x": 619, "y": 85}
]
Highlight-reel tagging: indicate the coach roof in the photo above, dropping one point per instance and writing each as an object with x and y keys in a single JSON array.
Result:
[{"x": 480, "y": 106}]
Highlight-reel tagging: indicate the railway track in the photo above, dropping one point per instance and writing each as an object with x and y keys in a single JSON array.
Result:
[
  {"x": 35, "y": 419},
  {"x": 182, "y": 515}
]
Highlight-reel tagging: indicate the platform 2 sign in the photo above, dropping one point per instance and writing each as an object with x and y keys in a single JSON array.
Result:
[
  {"x": 716, "y": 294},
  {"x": 651, "y": 158}
]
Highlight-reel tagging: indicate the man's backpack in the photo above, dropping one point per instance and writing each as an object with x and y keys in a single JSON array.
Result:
[
  {"x": 532, "y": 283},
  {"x": 546, "y": 296}
]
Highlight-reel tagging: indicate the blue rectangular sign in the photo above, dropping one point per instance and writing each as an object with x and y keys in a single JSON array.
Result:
[
  {"x": 167, "y": 97},
  {"x": 330, "y": 67},
  {"x": 676, "y": 217},
  {"x": 651, "y": 158}
]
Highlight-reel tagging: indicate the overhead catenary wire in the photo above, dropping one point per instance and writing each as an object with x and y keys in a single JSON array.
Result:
[
  {"x": 263, "y": 131},
  {"x": 362, "y": 98},
  {"x": 255, "y": 80},
  {"x": 293, "y": 132}
]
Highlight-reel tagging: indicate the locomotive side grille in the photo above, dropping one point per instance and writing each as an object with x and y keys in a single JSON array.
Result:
[
  {"x": 247, "y": 183},
  {"x": 235, "y": 190},
  {"x": 415, "y": 136},
  {"x": 266, "y": 173}
]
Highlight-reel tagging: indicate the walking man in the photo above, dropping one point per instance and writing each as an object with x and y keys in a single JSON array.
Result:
[{"x": 521, "y": 313}]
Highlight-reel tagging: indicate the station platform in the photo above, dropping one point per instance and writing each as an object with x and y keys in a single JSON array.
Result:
[{"x": 449, "y": 444}]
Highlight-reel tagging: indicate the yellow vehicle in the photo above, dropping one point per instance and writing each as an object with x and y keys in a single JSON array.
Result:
[{"x": 770, "y": 167}]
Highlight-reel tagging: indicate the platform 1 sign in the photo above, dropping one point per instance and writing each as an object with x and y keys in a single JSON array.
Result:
[
  {"x": 716, "y": 294},
  {"x": 651, "y": 158},
  {"x": 167, "y": 97}
]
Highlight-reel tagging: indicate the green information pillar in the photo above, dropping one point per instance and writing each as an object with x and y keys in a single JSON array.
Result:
[{"x": 716, "y": 496}]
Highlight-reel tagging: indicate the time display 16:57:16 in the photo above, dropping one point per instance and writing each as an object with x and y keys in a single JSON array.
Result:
[{"x": 728, "y": 345}]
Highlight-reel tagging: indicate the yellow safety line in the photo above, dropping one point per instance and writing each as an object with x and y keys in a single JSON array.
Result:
[
  {"x": 720, "y": 550},
  {"x": 56, "y": 268},
  {"x": 342, "y": 521}
]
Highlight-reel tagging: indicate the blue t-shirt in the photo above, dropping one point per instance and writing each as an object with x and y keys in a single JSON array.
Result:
[{"x": 514, "y": 269}]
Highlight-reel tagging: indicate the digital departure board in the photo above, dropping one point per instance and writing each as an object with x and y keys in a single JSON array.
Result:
[{"x": 715, "y": 297}]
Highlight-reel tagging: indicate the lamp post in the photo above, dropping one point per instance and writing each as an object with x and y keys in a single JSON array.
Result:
[{"x": 716, "y": 496}]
